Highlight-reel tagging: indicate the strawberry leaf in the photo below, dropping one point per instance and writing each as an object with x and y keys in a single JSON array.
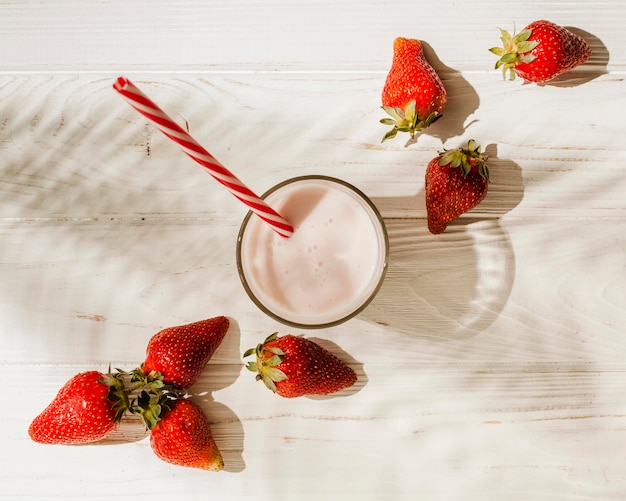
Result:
[
  {"x": 527, "y": 58},
  {"x": 466, "y": 165},
  {"x": 249, "y": 352},
  {"x": 396, "y": 113},
  {"x": 387, "y": 121},
  {"x": 409, "y": 112},
  {"x": 526, "y": 46},
  {"x": 275, "y": 374},
  {"x": 269, "y": 384},
  {"x": 522, "y": 36},
  {"x": 275, "y": 350},
  {"x": 272, "y": 361},
  {"x": 390, "y": 135},
  {"x": 508, "y": 58}
]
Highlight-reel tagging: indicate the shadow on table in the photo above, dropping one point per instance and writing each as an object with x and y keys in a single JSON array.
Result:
[
  {"x": 225, "y": 425},
  {"x": 131, "y": 429},
  {"x": 463, "y": 100},
  {"x": 453, "y": 285}
]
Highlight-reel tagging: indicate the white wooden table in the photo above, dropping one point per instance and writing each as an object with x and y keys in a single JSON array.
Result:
[{"x": 491, "y": 364}]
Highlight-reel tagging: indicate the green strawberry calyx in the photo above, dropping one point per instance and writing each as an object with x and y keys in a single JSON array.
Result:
[
  {"x": 515, "y": 49},
  {"x": 466, "y": 159},
  {"x": 267, "y": 359},
  {"x": 150, "y": 396},
  {"x": 143, "y": 394},
  {"x": 117, "y": 394},
  {"x": 406, "y": 120}
]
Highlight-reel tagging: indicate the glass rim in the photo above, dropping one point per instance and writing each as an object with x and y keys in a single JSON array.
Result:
[{"x": 378, "y": 219}]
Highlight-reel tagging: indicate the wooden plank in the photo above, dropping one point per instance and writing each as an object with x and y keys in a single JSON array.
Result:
[
  {"x": 73, "y": 149},
  {"x": 94, "y": 290},
  {"x": 255, "y": 35},
  {"x": 498, "y": 431}
]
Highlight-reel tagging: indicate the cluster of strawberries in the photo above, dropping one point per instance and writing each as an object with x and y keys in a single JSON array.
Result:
[
  {"x": 414, "y": 96},
  {"x": 91, "y": 404}
]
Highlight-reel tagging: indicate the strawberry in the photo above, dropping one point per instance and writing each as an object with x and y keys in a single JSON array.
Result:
[
  {"x": 181, "y": 353},
  {"x": 413, "y": 94},
  {"x": 86, "y": 409},
  {"x": 293, "y": 366},
  {"x": 183, "y": 437},
  {"x": 540, "y": 52},
  {"x": 456, "y": 182}
]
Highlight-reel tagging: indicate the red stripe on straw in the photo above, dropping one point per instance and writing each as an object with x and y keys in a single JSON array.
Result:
[{"x": 140, "y": 102}]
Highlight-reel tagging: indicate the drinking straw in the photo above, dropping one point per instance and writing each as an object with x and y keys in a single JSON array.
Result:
[{"x": 192, "y": 148}]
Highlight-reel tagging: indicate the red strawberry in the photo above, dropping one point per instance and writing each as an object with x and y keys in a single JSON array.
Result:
[
  {"x": 86, "y": 409},
  {"x": 181, "y": 353},
  {"x": 413, "y": 94},
  {"x": 183, "y": 437},
  {"x": 293, "y": 366},
  {"x": 540, "y": 52},
  {"x": 456, "y": 182}
]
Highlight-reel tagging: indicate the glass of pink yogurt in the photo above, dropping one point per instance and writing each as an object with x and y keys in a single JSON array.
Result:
[{"x": 333, "y": 265}]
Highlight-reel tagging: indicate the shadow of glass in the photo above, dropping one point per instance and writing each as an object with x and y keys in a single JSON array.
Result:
[
  {"x": 453, "y": 285},
  {"x": 444, "y": 287}
]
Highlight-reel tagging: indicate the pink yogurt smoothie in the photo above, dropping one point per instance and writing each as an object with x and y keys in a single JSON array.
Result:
[{"x": 330, "y": 268}]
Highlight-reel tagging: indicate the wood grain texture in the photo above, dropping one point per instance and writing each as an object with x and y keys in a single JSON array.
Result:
[
  {"x": 274, "y": 35},
  {"x": 490, "y": 363}
]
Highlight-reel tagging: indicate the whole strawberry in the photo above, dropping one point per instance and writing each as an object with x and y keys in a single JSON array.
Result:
[
  {"x": 293, "y": 366},
  {"x": 183, "y": 437},
  {"x": 540, "y": 52},
  {"x": 181, "y": 353},
  {"x": 413, "y": 94},
  {"x": 86, "y": 409},
  {"x": 456, "y": 182}
]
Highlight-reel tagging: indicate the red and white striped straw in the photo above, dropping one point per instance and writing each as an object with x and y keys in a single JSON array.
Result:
[{"x": 190, "y": 146}]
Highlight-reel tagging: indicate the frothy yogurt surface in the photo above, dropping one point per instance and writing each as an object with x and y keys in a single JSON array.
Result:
[{"x": 331, "y": 265}]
